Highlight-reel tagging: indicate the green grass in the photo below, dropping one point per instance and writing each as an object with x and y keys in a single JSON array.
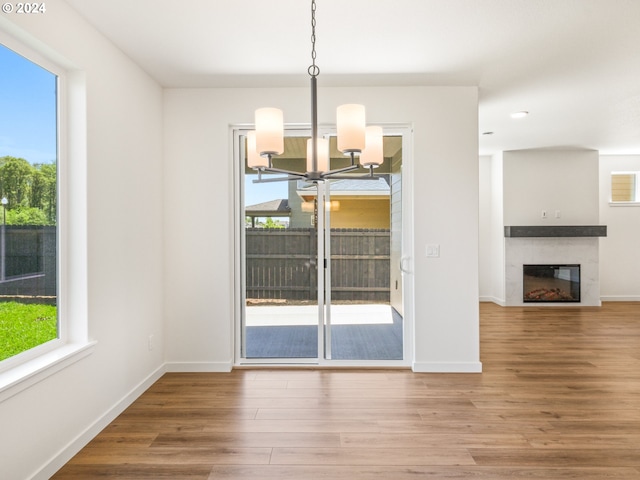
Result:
[{"x": 23, "y": 327}]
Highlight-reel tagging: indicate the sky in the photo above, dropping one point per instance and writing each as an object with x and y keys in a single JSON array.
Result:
[
  {"x": 27, "y": 109},
  {"x": 255, "y": 193}
]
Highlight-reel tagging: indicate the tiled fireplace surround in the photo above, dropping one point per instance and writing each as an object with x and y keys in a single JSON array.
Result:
[{"x": 553, "y": 245}]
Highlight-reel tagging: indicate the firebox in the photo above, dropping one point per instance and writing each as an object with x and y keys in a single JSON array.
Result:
[{"x": 551, "y": 283}]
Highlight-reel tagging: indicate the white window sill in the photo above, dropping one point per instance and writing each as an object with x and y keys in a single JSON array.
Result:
[
  {"x": 624, "y": 204},
  {"x": 23, "y": 376}
]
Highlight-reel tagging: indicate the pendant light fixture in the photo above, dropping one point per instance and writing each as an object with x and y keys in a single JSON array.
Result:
[{"x": 354, "y": 138}]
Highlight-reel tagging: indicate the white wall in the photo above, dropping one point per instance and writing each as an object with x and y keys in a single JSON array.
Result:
[
  {"x": 497, "y": 229},
  {"x": 619, "y": 257},
  {"x": 523, "y": 184},
  {"x": 484, "y": 228},
  {"x": 199, "y": 303},
  {"x": 551, "y": 180},
  {"x": 122, "y": 146}
]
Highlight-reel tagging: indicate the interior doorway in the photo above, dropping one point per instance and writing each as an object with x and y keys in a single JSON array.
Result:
[{"x": 319, "y": 263}]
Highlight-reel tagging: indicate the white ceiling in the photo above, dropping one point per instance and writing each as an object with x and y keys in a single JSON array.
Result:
[{"x": 573, "y": 64}]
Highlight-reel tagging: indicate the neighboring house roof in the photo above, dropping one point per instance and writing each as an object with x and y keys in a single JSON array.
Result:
[
  {"x": 348, "y": 187},
  {"x": 273, "y": 208}
]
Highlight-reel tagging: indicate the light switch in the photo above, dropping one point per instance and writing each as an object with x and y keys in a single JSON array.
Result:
[{"x": 433, "y": 251}]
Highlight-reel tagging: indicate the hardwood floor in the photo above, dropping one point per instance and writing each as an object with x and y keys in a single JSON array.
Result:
[{"x": 559, "y": 398}]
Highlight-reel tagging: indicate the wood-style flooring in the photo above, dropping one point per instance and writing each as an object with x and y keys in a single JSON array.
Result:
[{"x": 559, "y": 398}]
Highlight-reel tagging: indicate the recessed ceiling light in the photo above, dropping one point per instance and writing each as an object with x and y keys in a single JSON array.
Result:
[{"x": 520, "y": 114}]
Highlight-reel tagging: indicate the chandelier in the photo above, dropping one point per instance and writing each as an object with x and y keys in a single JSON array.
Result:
[{"x": 355, "y": 139}]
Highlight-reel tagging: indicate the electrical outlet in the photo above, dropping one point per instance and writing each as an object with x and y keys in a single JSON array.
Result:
[
  {"x": 557, "y": 213},
  {"x": 151, "y": 343},
  {"x": 433, "y": 251},
  {"x": 544, "y": 214}
]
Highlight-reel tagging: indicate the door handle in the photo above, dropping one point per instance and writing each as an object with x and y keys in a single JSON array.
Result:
[{"x": 405, "y": 264}]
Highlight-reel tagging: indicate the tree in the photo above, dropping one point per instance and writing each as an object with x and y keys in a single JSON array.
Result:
[
  {"x": 26, "y": 216},
  {"x": 270, "y": 223},
  {"x": 29, "y": 189},
  {"x": 15, "y": 175},
  {"x": 47, "y": 178}
]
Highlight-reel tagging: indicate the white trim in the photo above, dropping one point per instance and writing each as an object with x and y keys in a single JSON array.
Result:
[
  {"x": 408, "y": 236},
  {"x": 335, "y": 365},
  {"x": 201, "y": 367},
  {"x": 620, "y": 298},
  {"x": 238, "y": 241},
  {"x": 23, "y": 376},
  {"x": 78, "y": 443},
  {"x": 624, "y": 204},
  {"x": 491, "y": 299},
  {"x": 277, "y": 362},
  {"x": 447, "y": 367}
]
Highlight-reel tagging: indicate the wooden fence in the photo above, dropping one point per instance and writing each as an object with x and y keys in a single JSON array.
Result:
[{"x": 282, "y": 264}]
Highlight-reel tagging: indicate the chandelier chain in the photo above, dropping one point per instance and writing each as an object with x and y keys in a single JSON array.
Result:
[{"x": 313, "y": 70}]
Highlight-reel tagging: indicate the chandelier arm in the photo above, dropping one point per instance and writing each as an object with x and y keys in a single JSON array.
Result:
[
  {"x": 286, "y": 172},
  {"x": 353, "y": 177},
  {"x": 337, "y": 171},
  {"x": 278, "y": 179}
]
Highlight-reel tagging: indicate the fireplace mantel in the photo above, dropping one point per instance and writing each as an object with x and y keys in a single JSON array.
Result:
[{"x": 555, "y": 231}]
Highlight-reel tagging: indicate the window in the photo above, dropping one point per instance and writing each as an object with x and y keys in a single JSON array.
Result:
[
  {"x": 625, "y": 187},
  {"x": 28, "y": 197},
  {"x": 48, "y": 131}
]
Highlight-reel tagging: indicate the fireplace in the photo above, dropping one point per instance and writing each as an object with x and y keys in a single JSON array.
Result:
[{"x": 551, "y": 283}]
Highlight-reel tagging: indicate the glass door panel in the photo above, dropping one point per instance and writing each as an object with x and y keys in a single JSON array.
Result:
[
  {"x": 280, "y": 267},
  {"x": 320, "y": 262},
  {"x": 363, "y": 288}
]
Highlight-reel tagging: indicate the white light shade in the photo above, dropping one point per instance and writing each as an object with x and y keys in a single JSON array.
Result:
[
  {"x": 254, "y": 160},
  {"x": 350, "y": 125},
  {"x": 308, "y": 207},
  {"x": 323, "y": 155},
  {"x": 269, "y": 131},
  {"x": 372, "y": 155}
]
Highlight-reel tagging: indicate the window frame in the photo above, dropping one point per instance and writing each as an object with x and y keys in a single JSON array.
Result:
[
  {"x": 628, "y": 203},
  {"x": 72, "y": 343}
]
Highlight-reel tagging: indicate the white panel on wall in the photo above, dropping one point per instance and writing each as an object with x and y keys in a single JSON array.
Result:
[
  {"x": 484, "y": 207},
  {"x": 564, "y": 181},
  {"x": 619, "y": 257}
]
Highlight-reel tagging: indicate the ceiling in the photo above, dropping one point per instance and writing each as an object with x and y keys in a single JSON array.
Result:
[{"x": 573, "y": 64}]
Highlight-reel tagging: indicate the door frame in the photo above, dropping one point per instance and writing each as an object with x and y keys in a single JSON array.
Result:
[{"x": 406, "y": 262}]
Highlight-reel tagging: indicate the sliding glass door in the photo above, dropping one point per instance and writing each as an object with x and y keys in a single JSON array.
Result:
[{"x": 319, "y": 262}]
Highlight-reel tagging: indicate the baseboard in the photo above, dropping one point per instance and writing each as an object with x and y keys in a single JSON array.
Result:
[
  {"x": 620, "y": 298},
  {"x": 214, "y": 367},
  {"x": 495, "y": 300},
  {"x": 447, "y": 367},
  {"x": 57, "y": 462}
]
